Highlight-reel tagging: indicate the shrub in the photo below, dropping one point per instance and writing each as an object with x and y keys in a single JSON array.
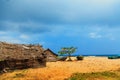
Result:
[
  {"x": 18, "y": 75},
  {"x": 80, "y": 57},
  {"x": 113, "y": 57}
]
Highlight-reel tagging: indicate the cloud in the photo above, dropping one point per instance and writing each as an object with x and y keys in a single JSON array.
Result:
[
  {"x": 55, "y": 23},
  {"x": 23, "y": 36},
  {"x": 24, "y": 27},
  {"x": 87, "y": 12},
  {"x": 94, "y": 35},
  {"x": 2, "y": 33},
  {"x": 10, "y": 39},
  {"x": 104, "y": 32}
]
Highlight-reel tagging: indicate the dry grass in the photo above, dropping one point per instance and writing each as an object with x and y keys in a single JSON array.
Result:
[{"x": 61, "y": 70}]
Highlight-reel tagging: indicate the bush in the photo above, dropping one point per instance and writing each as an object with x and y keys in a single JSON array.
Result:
[
  {"x": 80, "y": 57},
  {"x": 113, "y": 57}
]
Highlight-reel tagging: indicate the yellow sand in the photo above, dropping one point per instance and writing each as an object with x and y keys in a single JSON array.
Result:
[{"x": 61, "y": 70}]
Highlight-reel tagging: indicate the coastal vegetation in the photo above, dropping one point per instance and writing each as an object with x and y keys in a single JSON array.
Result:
[
  {"x": 80, "y": 57},
  {"x": 67, "y": 51},
  {"x": 107, "y": 75}
]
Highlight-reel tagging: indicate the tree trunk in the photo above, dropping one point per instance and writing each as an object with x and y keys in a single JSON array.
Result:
[{"x": 69, "y": 55}]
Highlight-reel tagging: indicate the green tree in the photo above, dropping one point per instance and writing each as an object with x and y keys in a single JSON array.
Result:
[{"x": 67, "y": 50}]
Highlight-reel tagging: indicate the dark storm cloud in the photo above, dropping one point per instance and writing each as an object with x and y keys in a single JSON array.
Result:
[
  {"x": 33, "y": 28},
  {"x": 17, "y": 14},
  {"x": 28, "y": 27},
  {"x": 63, "y": 12}
]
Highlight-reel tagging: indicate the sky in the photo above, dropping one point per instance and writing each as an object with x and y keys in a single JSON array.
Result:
[{"x": 93, "y": 26}]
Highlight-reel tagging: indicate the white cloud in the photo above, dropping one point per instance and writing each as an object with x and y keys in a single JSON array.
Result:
[
  {"x": 94, "y": 35},
  {"x": 110, "y": 36},
  {"x": 106, "y": 32},
  {"x": 23, "y": 36},
  {"x": 2, "y": 32},
  {"x": 10, "y": 39}
]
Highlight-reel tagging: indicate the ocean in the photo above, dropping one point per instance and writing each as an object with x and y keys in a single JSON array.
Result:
[{"x": 99, "y": 55}]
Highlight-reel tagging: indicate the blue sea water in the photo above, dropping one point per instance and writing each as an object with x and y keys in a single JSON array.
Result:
[{"x": 99, "y": 55}]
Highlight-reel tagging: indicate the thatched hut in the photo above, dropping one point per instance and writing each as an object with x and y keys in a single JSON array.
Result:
[
  {"x": 50, "y": 55},
  {"x": 20, "y": 56}
]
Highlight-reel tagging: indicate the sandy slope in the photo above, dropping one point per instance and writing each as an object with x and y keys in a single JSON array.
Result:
[{"x": 61, "y": 70}]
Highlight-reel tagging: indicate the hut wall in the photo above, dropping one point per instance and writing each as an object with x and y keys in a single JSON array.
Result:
[
  {"x": 50, "y": 57},
  {"x": 22, "y": 64}
]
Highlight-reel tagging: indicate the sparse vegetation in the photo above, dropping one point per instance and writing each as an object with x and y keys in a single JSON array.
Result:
[
  {"x": 113, "y": 57},
  {"x": 80, "y": 57},
  {"x": 95, "y": 76},
  {"x": 18, "y": 75}
]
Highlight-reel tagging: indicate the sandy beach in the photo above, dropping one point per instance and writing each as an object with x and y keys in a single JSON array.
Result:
[{"x": 63, "y": 69}]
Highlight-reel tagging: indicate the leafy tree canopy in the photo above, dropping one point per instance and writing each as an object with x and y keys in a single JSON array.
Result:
[{"x": 67, "y": 50}]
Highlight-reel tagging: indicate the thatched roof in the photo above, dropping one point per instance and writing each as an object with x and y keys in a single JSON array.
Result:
[
  {"x": 50, "y": 51},
  {"x": 20, "y": 51}
]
